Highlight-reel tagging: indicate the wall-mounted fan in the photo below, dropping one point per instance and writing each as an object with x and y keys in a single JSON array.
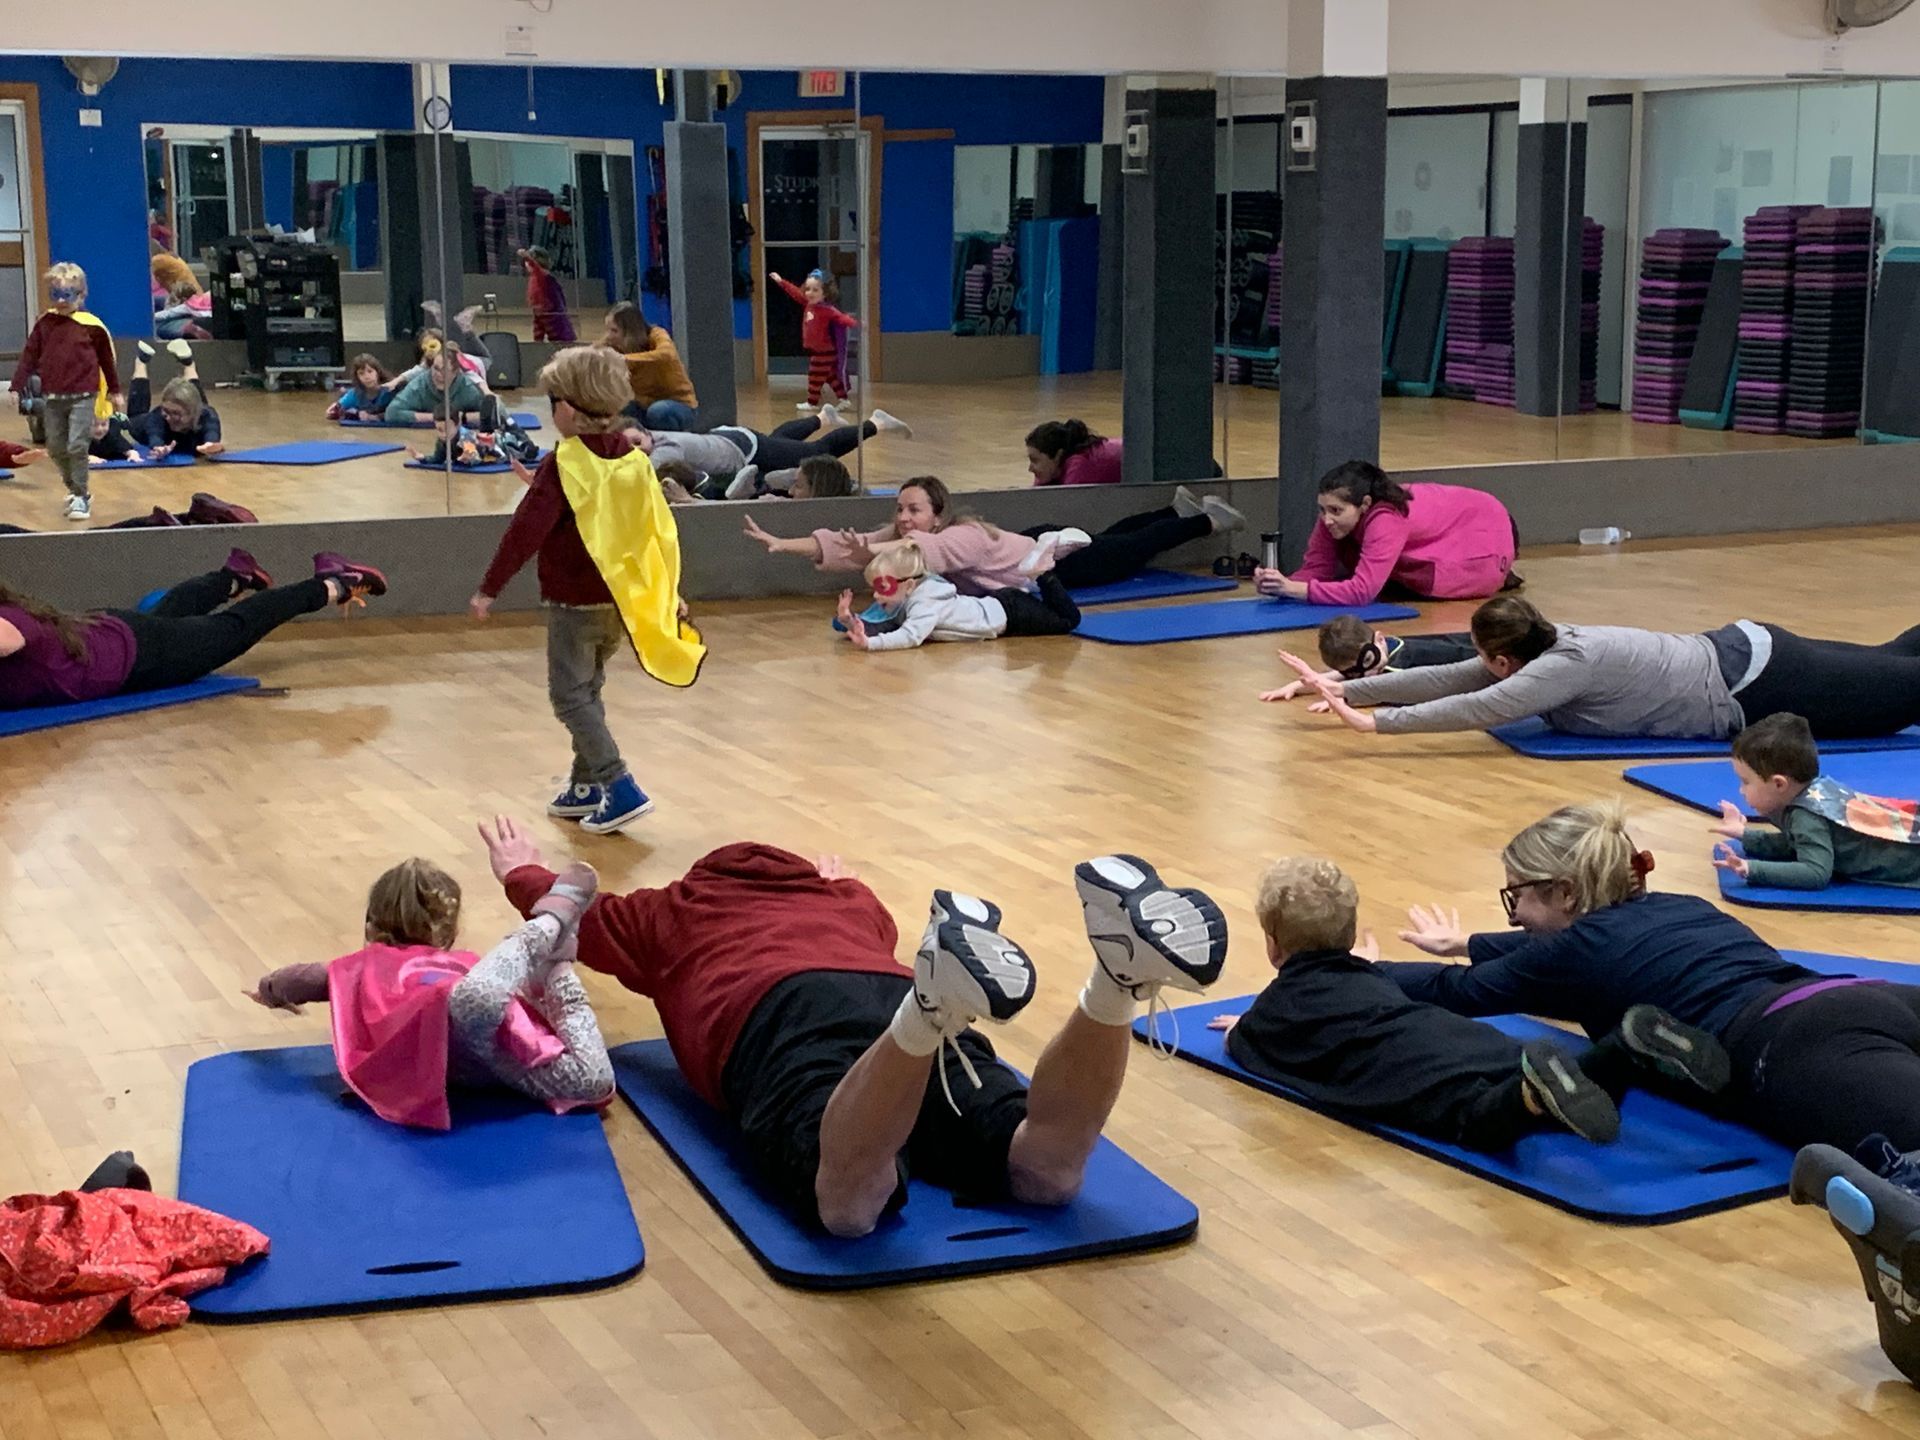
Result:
[
  {"x": 1845, "y": 15},
  {"x": 92, "y": 71}
]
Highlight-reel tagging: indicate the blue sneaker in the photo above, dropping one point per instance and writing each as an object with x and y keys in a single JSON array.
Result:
[
  {"x": 623, "y": 803},
  {"x": 576, "y": 802}
]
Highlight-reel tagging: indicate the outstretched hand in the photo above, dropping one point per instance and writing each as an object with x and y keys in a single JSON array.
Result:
[
  {"x": 755, "y": 532},
  {"x": 844, "y": 611},
  {"x": 1725, "y": 857},
  {"x": 832, "y": 867},
  {"x": 1436, "y": 931},
  {"x": 1329, "y": 686},
  {"x": 857, "y": 632},
  {"x": 1223, "y": 1022},
  {"x": 259, "y": 997},
  {"x": 1286, "y": 692},
  {"x": 859, "y": 550},
  {"x": 508, "y": 846},
  {"x": 1732, "y": 824}
]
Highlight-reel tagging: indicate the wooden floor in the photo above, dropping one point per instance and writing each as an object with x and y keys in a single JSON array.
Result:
[
  {"x": 152, "y": 866},
  {"x": 973, "y": 436}
]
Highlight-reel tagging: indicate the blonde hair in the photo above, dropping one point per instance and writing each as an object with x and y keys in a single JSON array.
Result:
[
  {"x": 171, "y": 271},
  {"x": 68, "y": 274},
  {"x": 414, "y": 903},
  {"x": 1585, "y": 845},
  {"x": 593, "y": 380},
  {"x": 905, "y": 563},
  {"x": 186, "y": 395},
  {"x": 1306, "y": 903}
]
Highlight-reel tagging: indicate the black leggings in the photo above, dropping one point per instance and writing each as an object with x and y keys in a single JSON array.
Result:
[
  {"x": 787, "y": 446},
  {"x": 1051, "y": 612},
  {"x": 1499, "y": 1116},
  {"x": 1126, "y": 547},
  {"x": 1835, "y": 1068},
  {"x": 183, "y": 638},
  {"x": 1844, "y": 691}
]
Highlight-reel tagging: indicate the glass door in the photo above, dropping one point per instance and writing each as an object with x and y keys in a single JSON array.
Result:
[
  {"x": 18, "y": 263},
  {"x": 203, "y": 196},
  {"x": 812, "y": 199}
]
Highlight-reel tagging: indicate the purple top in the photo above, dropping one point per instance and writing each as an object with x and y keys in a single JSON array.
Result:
[{"x": 44, "y": 674}]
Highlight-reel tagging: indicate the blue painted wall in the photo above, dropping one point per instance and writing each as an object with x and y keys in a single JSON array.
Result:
[{"x": 96, "y": 177}]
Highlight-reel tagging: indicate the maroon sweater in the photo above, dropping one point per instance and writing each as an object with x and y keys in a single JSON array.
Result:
[
  {"x": 68, "y": 357},
  {"x": 544, "y": 525},
  {"x": 707, "y": 948}
]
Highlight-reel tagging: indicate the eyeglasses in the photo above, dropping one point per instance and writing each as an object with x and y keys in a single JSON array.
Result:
[{"x": 1510, "y": 894}]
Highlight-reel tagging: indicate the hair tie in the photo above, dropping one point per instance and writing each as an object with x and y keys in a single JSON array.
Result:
[{"x": 1641, "y": 863}]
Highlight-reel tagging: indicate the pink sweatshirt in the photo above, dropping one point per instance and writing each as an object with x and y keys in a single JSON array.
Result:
[
  {"x": 1097, "y": 466},
  {"x": 976, "y": 560},
  {"x": 1453, "y": 544}
]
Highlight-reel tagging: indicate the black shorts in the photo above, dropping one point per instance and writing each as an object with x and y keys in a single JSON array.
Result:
[{"x": 803, "y": 1037}]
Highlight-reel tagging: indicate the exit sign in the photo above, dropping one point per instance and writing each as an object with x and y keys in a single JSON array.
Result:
[{"x": 822, "y": 84}]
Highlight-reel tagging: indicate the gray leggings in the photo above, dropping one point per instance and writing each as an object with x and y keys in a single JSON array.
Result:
[{"x": 522, "y": 965}]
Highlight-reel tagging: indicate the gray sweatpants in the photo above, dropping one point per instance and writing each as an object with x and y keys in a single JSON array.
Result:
[
  {"x": 580, "y": 641},
  {"x": 69, "y": 420},
  {"x": 522, "y": 966}
]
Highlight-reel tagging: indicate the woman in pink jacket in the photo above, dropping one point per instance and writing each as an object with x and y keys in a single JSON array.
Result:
[
  {"x": 980, "y": 558},
  {"x": 1066, "y": 452},
  {"x": 1440, "y": 542}
]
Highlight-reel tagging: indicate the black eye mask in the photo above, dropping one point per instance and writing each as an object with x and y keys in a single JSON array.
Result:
[{"x": 1370, "y": 655}]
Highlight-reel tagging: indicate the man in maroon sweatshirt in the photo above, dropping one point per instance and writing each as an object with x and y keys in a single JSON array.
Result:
[
  {"x": 69, "y": 357},
  {"x": 776, "y": 983}
]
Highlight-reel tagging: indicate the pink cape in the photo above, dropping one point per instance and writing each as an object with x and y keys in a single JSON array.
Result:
[{"x": 390, "y": 1029}]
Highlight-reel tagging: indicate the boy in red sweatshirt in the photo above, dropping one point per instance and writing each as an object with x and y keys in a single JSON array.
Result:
[{"x": 72, "y": 353}]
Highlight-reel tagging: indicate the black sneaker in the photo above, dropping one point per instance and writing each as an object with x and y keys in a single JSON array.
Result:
[
  {"x": 1565, "y": 1093},
  {"x": 1675, "y": 1049},
  {"x": 1896, "y": 1167}
]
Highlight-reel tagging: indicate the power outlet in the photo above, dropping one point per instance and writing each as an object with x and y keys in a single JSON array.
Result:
[{"x": 90, "y": 119}]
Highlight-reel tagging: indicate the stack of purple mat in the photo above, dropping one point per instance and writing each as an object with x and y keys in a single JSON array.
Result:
[
  {"x": 1676, "y": 267},
  {"x": 1593, "y": 254},
  {"x": 1827, "y": 364},
  {"x": 1479, "y": 352},
  {"x": 1266, "y": 373},
  {"x": 1766, "y": 318}
]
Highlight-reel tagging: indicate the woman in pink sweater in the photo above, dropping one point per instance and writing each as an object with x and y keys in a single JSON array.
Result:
[
  {"x": 1440, "y": 542},
  {"x": 1066, "y": 452},
  {"x": 980, "y": 558}
]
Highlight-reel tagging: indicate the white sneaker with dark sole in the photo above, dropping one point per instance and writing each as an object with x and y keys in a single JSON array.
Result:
[
  {"x": 180, "y": 350},
  {"x": 952, "y": 907},
  {"x": 1187, "y": 504},
  {"x": 1145, "y": 933},
  {"x": 968, "y": 972}
]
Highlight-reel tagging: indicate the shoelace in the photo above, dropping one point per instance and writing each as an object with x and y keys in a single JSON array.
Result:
[
  {"x": 946, "y": 1083},
  {"x": 1156, "y": 1007}
]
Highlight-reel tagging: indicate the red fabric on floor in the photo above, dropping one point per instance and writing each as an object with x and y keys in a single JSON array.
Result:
[{"x": 67, "y": 1260}]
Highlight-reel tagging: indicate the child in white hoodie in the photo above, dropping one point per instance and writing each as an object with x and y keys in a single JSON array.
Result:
[{"x": 923, "y": 607}]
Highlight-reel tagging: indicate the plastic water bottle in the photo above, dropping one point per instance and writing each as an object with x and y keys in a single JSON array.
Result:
[{"x": 1605, "y": 535}]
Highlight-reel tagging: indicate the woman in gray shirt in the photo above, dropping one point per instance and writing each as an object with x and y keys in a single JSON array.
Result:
[{"x": 1615, "y": 681}]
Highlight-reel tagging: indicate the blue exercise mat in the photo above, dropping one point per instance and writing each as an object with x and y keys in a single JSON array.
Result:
[
  {"x": 1670, "y": 1162},
  {"x": 496, "y": 467},
  {"x": 1888, "y": 970},
  {"x": 1152, "y": 585},
  {"x": 363, "y": 1215},
  {"x": 525, "y": 419},
  {"x": 1212, "y": 620},
  {"x": 168, "y": 462},
  {"x": 1533, "y": 738},
  {"x": 308, "y": 452},
  {"x": 1123, "y": 1206},
  {"x": 1704, "y": 784},
  {"x": 1848, "y": 896},
  {"x": 52, "y": 717}
]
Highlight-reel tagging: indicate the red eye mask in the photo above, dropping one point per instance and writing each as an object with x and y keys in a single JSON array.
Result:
[{"x": 885, "y": 586}]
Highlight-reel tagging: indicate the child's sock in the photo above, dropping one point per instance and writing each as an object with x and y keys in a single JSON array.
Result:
[{"x": 1105, "y": 1001}]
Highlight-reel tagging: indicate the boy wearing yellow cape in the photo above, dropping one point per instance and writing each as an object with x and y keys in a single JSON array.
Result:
[
  {"x": 609, "y": 567},
  {"x": 71, "y": 354}
]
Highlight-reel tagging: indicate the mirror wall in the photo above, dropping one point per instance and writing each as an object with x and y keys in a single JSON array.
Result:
[{"x": 1596, "y": 269}]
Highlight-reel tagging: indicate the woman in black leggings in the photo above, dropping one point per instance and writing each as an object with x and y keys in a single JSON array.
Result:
[
  {"x": 1817, "y": 1059},
  {"x": 49, "y": 657},
  {"x": 791, "y": 443},
  {"x": 1128, "y": 546}
]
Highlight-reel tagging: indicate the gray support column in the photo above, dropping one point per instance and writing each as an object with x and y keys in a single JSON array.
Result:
[
  {"x": 1107, "y": 321},
  {"x": 423, "y": 227},
  {"x": 1551, "y": 200},
  {"x": 700, "y": 260},
  {"x": 1059, "y": 181},
  {"x": 1332, "y": 303},
  {"x": 692, "y": 96},
  {"x": 249, "y": 184},
  {"x": 1167, "y": 309}
]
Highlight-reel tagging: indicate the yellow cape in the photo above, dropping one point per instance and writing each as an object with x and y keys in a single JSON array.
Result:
[
  {"x": 102, "y": 404},
  {"x": 628, "y": 529}
]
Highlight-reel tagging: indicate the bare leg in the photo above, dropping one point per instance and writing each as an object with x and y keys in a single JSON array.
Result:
[
  {"x": 1073, "y": 1092},
  {"x": 865, "y": 1127}
]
